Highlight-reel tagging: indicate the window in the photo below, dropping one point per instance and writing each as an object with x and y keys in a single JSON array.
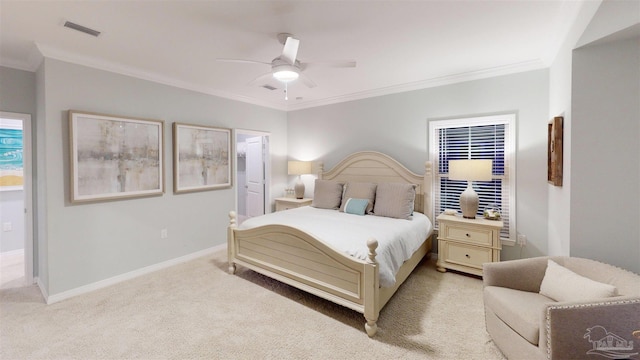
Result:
[{"x": 487, "y": 137}]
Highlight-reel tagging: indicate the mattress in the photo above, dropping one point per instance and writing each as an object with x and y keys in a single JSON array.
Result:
[{"x": 397, "y": 239}]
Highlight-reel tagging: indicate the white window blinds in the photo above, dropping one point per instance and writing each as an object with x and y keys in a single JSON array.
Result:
[{"x": 490, "y": 137}]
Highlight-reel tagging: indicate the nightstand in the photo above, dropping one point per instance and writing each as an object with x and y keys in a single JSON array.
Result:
[
  {"x": 465, "y": 244},
  {"x": 291, "y": 203}
]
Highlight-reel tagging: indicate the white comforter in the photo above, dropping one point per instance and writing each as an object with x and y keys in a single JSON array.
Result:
[{"x": 397, "y": 239}]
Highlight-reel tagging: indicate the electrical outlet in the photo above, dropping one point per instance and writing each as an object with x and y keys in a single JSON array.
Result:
[
  {"x": 164, "y": 234},
  {"x": 522, "y": 239}
]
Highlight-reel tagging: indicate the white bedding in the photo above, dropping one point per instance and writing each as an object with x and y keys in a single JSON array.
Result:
[{"x": 397, "y": 239}]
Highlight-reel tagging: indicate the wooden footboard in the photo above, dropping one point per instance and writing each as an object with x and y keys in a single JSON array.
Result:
[
  {"x": 300, "y": 260},
  {"x": 296, "y": 258}
]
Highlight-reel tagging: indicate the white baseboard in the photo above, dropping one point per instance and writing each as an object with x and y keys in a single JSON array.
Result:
[
  {"x": 126, "y": 276},
  {"x": 43, "y": 290}
]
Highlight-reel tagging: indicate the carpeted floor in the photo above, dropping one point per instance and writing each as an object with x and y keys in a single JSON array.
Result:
[{"x": 196, "y": 310}]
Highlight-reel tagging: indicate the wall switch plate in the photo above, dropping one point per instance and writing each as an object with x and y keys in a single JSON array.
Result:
[
  {"x": 164, "y": 234},
  {"x": 7, "y": 226}
]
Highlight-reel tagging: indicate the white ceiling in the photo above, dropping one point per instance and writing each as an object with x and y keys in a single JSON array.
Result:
[{"x": 398, "y": 45}]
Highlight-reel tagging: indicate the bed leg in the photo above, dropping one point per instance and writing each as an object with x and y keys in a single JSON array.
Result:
[
  {"x": 232, "y": 268},
  {"x": 371, "y": 327},
  {"x": 372, "y": 289}
]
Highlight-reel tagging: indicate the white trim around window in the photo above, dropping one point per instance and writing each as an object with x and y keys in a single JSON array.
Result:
[{"x": 508, "y": 178}]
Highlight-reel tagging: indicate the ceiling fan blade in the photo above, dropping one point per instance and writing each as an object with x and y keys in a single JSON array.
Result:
[
  {"x": 305, "y": 80},
  {"x": 335, "y": 64},
  {"x": 290, "y": 50},
  {"x": 261, "y": 80},
  {"x": 242, "y": 61}
]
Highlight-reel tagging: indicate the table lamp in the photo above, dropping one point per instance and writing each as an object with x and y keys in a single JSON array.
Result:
[
  {"x": 299, "y": 168},
  {"x": 470, "y": 170}
]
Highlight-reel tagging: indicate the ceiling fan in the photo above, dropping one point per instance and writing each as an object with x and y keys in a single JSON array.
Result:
[{"x": 286, "y": 67}]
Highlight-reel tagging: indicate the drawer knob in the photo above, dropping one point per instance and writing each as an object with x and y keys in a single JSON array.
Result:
[
  {"x": 468, "y": 235},
  {"x": 468, "y": 257}
]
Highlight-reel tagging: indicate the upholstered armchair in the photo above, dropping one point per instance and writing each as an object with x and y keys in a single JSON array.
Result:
[{"x": 577, "y": 310}]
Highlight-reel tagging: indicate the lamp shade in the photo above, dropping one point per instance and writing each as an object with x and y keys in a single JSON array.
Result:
[
  {"x": 470, "y": 170},
  {"x": 299, "y": 167}
]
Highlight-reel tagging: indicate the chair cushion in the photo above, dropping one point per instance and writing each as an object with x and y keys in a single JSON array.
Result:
[{"x": 521, "y": 310}]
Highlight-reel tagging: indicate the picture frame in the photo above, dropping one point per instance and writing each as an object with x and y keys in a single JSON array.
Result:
[
  {"x": 11, "y": 155},
  {"x": 201, "y": 158},
  {"x": 114, "y": 157},
  {"x": 554, "y": 150}
]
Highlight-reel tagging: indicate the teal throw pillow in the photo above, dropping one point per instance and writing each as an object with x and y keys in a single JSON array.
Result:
[{"x": 356, "y": 206}]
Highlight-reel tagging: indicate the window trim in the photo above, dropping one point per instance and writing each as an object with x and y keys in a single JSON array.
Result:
[{"x": 510, "y": 149}]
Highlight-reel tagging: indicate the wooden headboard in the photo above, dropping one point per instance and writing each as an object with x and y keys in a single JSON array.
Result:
[{"x": 376, "y": 167}]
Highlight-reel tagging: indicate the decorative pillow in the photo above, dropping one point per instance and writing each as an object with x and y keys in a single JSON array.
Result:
[
  {"x": 395, "y": 200},
  {"x": 562, "y": 284},
  {"x": 359, "y": 190},
  {"x": 327, "y": 194},
  {"x": 355, "y": 206}
]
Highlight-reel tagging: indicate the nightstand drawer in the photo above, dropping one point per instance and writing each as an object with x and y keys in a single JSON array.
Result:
[
  {"x": 468, "y": 255},
  {"x": 290, "y": 203},
  {"x": 281, "y": 207},
  {"x": 478, "y": 236}
]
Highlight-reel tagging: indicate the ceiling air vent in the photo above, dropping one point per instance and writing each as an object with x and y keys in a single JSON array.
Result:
[
  {"x": 269, "y": 87},
  {"x": 81, "y": 28}
]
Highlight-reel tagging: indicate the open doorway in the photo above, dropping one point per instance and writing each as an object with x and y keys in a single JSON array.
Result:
[
  {"x": 252, "y": 174},
  {"x": 16, "y": 219}
]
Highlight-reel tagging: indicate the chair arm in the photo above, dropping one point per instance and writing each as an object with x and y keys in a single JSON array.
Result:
[
  {"x": 522, "y": 274},
  {"x": 571, "y": 330}
]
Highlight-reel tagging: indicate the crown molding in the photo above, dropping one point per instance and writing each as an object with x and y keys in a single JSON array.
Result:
[
  {"x": 14, "y": 64},
  {"x": 33, "y": 61},
  {"x": 100, "y": 64},
  {"x": 42, "y": 51},
  {"x": 428, "y": 83}
]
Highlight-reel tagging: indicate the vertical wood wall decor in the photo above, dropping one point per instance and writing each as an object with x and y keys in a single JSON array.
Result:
[{"x": 554, "y": 151}]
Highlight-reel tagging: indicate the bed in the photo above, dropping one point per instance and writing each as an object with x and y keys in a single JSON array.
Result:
[{"x": 301, "y": 259}]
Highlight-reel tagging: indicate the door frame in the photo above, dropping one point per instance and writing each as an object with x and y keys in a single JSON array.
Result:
[
  {"x": 27, "y": 167},
  {"x": 266, "y": 161}
]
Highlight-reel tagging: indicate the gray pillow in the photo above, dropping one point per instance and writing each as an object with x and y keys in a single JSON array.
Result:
[
  {"x": 395, "y": 200},
  {"x": 359, "y": 190},
  {"x": 327, "y": 194}
]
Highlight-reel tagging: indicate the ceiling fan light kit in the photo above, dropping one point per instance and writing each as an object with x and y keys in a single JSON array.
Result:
[
  {"x": 286, "y": 67},
  {"x": 285, "y": 73}
]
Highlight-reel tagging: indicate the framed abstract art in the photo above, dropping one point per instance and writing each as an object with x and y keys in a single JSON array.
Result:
[
  {"x": 201, "y": 158},
  {"x": 114, "y": 157}
]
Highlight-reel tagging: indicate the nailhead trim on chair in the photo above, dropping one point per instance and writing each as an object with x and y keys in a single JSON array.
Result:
[{"x": 573, "y": 306}]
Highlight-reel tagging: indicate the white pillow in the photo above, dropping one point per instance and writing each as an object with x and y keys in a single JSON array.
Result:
[{"x": 562, "y": 284}]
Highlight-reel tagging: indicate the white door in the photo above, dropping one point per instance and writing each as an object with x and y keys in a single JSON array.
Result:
[{"x": 255, "y": 176}]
